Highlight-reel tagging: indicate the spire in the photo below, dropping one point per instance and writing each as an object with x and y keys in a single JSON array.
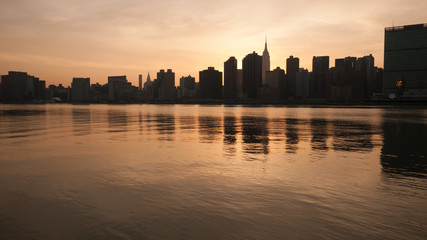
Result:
[
  {"x": 265, "y": 49},
  {"x": 148, "y": 78},
  {"x": 265, "y": 61}
]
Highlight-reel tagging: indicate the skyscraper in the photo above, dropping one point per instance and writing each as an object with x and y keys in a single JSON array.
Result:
[
  {"x": 187, "y": 87},
  {"x": 210, "y": 83},
  {"x": 140, "y": 82},
  {"x": 165, "y": 83},
  {"x": 188, "y": 82},
  {"x": 252, "y": 75},
  {"x": 230, "y": 78},
  {"x": 265, "y": 61},
  {"x": 292, "y": 68},
  {"x": 366, "y": 67},
  {"x": 119, "y": 89},
  {"x": 302, "y": 88},
  {"x": 405, "y": 58},
  {"x": 239, "y": 83},
  {"x": 148, "y": 78},
  {"x": 320, "y": 78},
  {"x": 149, "y": 90}
]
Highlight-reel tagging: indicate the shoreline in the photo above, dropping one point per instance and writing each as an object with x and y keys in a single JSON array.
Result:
[{"x": 320, "y": 104}]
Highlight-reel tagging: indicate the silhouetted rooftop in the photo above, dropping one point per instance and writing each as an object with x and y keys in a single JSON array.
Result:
[{"x": 406, "y": 27}]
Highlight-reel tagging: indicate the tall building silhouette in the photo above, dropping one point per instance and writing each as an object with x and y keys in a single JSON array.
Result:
[
  {"x": 119, "y": 89},
  {"x": 302, "y": 88},
  {"x": 148, "y": 78},
  {"x": 140, "y": 82},
  {"x": 230, "y": 78},
  {"x": 292, "y": 68},
  {"x": 19, "y": 86},
  {"x": 148, "y": 82},
  {"x": 265, "y": 61},
  {"x": 353, "y": 78},
  {"x": 405, "y": 58},
  {"x": 165, "y": 83},
  {"x": 252, "y": 75},
  {"x": 149, "y": 91},
  {"x": 210, "y": 83},
  {"x": 187, "y": 87},
  {"x": 270, "y": 90},
  {"x": 188, "y": 82},
  {"x": 80, "y": 89},
  {"x": 320, "y": 84},
  {"x": 343, "y": 76},
  {"x": 275, "y": 78},
  {"x": 239, "y": 83},
  {"x": 366, "y": 67}
]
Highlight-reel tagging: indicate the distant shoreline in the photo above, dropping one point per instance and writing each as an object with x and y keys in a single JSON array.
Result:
[{"x": 379, "y": 103}]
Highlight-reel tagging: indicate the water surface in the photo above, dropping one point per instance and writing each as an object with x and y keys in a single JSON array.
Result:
[{"x": 212, "y": 172}]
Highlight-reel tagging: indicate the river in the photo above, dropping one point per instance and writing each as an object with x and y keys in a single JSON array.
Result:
[{"x": 212, "y": 172}]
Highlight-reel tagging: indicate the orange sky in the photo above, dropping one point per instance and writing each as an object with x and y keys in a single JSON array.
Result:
[{"x": 59, "y": 40}]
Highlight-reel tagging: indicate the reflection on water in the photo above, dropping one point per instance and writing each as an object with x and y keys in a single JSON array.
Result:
[
  {"x": 255, "y": 135},
  {"x": 117, "y": 121},
  {"x": 291, "y": 135},
  {"x": 230, "y": 130},
  {"x": 165, "y": 126},
  {"x": 319, "y": 130},
  {"x": 230, "y": 135},
  {"x": 404, "y": 150},
  {"x": 81, "y": 121},
  {"x": 209, "y": 128},
  {"x": 31, "y": 123},
  {"x": 212, "y": 172},
  {"x": 352, "y": 136}
]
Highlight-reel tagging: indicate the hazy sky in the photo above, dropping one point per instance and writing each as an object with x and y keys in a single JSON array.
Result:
[{"x": 58, "y": 40}]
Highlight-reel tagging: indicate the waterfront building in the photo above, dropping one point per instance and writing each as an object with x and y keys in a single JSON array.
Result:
[
  {"x": 187, "y": 87},
  {"x": 19, "y": 86},
  {"x": 119, "y": 89},
  {"x": 239, "y": 83},
  {"x": 275, "y": 78},
  {"x": 99, "y": 93},
  {"x": 59, "y": 93},
  {"x": 353, "y": 78},
  {"x": 188, "y": 82},
  {"x": 230, "y": 78},
  {"x": 320, "y": 78},
  {"x": 405, "y": 59},
  {"x": 252, "y": 75},
  {"x": 343, "y": 78},
  {"x": 366, "y": 66},
  {"x": 292, "y": 68},
  {"x": 165, "y": 85},
  {"x": 210, "y": 83},
  {"x": 270, "y": 90},
  {"x": 80, "y": 89},
  {"x": 302, "y": 87}
]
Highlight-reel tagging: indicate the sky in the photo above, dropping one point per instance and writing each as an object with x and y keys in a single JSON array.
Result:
[{"x": 58, "y": 40}]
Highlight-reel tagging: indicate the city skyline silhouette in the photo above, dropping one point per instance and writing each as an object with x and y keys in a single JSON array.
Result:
[{"x": 58, "y": 41}]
